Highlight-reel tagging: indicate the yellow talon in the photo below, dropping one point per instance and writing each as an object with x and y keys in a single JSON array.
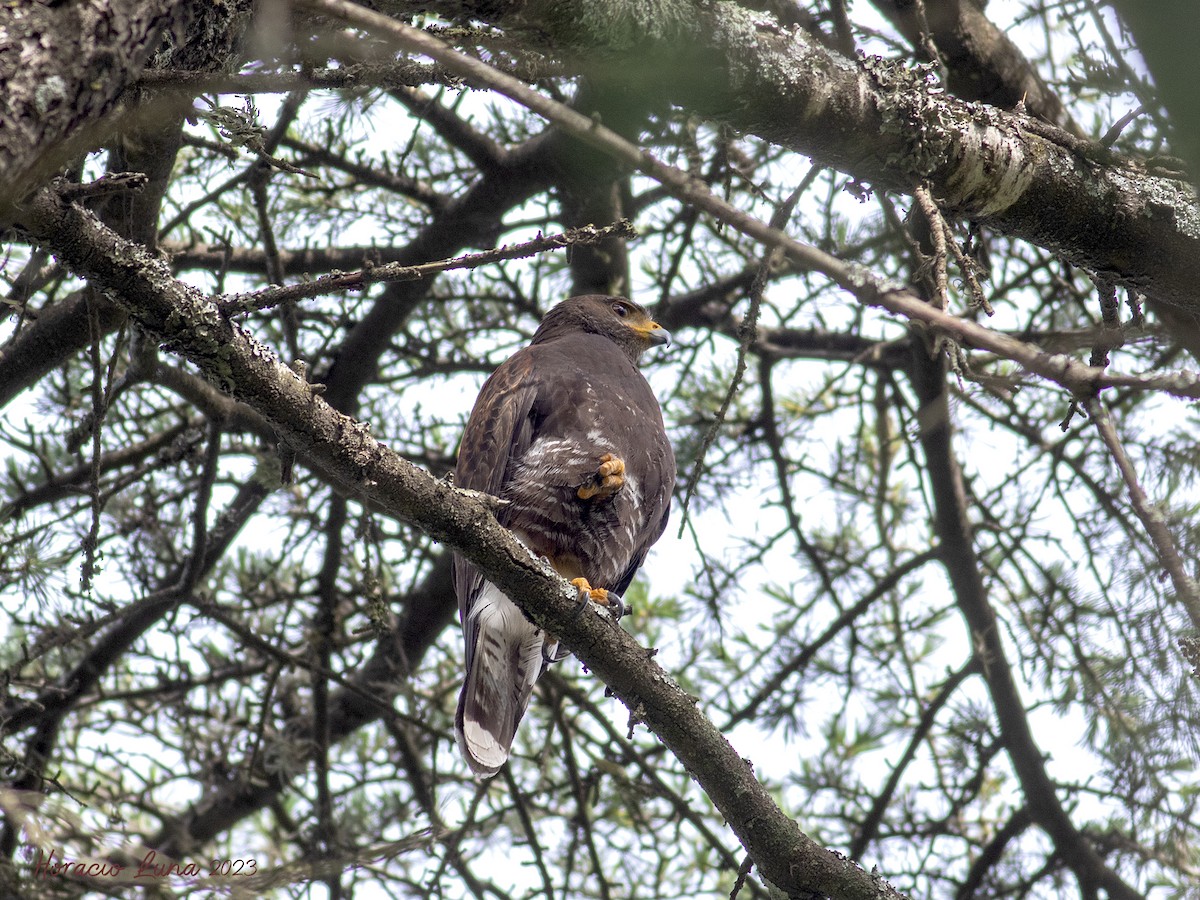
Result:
[
  {"x": 609, "y": 477},
  {"x": 601, "y": 597},
  {"x": 598, "y": 596}
]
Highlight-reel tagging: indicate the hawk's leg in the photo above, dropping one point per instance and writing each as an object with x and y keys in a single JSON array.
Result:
[
  {"x": 608, "y": 599},
  {"x": 609, "y": 477}
]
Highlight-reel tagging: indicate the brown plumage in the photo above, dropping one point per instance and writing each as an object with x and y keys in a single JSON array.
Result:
[{"x": 570, "y": 434}]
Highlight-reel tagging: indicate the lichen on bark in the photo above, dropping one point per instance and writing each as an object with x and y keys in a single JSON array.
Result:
[{"x": 615, "y": 26}]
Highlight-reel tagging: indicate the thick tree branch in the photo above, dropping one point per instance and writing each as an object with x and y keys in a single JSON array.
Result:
[
  {"x": 879, "y": 122},
  {"x": 63, "y": 67},
  {"x": 982, "y": 61},
  {"x": 147, "y": 143},
  {"x": 189, "y": 324}
]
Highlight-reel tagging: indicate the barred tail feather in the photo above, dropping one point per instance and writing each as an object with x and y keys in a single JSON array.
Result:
[{"x": 505, "y": 664}]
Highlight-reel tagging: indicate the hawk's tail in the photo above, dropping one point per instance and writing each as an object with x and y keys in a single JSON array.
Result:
[{"x": 503, "y": 668}]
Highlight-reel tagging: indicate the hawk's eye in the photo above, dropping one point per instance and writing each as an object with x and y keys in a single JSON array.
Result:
[{"x": 620, "y": 309}]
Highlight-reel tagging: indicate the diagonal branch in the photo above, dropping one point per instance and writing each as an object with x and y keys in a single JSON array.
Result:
[{"x": 1186, "y": 589}]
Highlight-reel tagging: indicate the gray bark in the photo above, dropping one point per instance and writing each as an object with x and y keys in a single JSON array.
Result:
[
  {"x": 63, "y": 69},
  {"x": 889, "y": 126}
]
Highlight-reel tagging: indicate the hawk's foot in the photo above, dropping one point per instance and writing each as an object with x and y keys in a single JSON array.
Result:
[
  {"x": 609, "y": 477},
  {"x": 610, "y": 600},
  {"x": 553, "y": 651}
]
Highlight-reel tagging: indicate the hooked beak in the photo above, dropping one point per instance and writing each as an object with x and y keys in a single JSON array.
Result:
[{"x": 656, "y": 334}]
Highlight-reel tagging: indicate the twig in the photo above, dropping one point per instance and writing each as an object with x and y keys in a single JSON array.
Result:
[
  {"x": 1152, "y": 518},
  {"x": 111, "y": 183},
  {"x": 969, "y": 268},
  {"x": 351, "y": 281},
  {"x": 1110, "y": 318},
  {"x": 1110, "y": 136},
  {"x": 194, "y": 568},
  {"x": 742, "y": 874},
  {"x": 747, "y": 336},
  {"x": 928, "y": 44},
  {"x": 937, "y": 236},
  {"x": 363, "y": 75}
]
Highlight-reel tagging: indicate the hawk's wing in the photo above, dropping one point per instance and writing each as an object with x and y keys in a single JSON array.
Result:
[
  {"x": 498, "y": 432},
  {"x": 504, "y": 655}
]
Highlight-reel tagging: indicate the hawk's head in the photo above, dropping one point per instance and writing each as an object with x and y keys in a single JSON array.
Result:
[{"x": 620, "y": 320}]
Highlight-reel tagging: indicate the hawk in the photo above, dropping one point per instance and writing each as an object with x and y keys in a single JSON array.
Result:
[{"x": 568, "y": 432}]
